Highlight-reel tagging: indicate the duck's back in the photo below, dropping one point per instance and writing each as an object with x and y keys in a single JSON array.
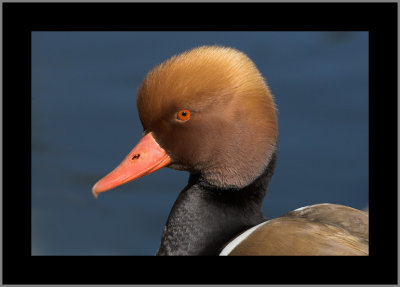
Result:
[{"x": 322, "y": 229}]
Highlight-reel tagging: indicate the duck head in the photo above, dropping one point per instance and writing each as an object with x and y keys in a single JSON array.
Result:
[{"x": 207, "y": 111}]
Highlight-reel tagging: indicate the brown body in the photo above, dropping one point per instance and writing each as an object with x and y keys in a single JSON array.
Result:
[{"x": 324, "y": 229}]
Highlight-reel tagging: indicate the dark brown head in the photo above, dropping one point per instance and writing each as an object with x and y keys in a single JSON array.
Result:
[
  {"x": 212, "y": 113},
  {"x": 232, "y": 129}
]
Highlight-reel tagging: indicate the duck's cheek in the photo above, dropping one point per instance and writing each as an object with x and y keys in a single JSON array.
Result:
[{"x": 184, "y": 147}]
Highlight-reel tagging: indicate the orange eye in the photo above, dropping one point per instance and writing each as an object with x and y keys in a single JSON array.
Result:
[{"x": 183, "y": 115}]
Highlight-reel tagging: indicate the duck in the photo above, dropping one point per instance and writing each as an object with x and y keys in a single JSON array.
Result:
[{"x": 209, "y": 111}]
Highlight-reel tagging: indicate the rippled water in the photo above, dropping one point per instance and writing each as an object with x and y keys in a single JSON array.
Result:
[{"x": 84, "y": 121}]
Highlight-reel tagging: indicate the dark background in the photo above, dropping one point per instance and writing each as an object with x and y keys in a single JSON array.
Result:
[{"x": 84, "y": 121}]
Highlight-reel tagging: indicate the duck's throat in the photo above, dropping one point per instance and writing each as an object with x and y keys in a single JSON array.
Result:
[
  {"x": 204, "y": 218},
  {"x": 241, "y": 169}
]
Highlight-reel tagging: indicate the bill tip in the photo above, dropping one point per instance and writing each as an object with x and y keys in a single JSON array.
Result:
[{"x": 94, "y": 193}]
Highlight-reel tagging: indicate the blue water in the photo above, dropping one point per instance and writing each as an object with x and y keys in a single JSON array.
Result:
[{"x": 84, "y": 122}]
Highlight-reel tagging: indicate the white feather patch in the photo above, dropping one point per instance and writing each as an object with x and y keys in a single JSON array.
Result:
[
  {"x": 235, "y": 242},
  {"x": 301, "y": 208}
]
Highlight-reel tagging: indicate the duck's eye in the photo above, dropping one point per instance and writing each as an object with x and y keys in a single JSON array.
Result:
[{"x": 183, "y": 115}]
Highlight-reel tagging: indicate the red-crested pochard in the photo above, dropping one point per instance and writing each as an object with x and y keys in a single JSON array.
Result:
[{"x": 208, "y": 111}]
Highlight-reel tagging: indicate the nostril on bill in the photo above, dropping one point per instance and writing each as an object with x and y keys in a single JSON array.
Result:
[{"x": 136, "y": 156}]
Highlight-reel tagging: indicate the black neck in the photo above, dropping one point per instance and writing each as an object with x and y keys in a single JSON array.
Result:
[{"x": 204, "y": 218}]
